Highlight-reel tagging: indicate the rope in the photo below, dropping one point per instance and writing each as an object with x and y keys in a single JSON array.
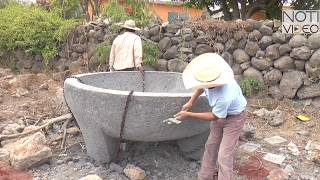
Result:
[{"x": 123, "y": 121}]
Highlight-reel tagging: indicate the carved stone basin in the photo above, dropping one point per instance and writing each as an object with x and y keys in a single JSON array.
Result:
[{"x": 98, "y": 103}]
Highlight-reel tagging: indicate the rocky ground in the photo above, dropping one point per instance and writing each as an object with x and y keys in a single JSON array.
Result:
[{"x": 27, "y": 101}]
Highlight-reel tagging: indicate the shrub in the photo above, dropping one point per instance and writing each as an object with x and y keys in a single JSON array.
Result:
[
  {"x": 67, "y": 8},
  {"x": 34, "y": 30},
  {"x": 150, "y": 53},
  {"x": 250, "y": 86},
  {"x": 136, "y": 10},
  {"x": 5, "y": 3},
  {"x": 115, "y": 12},
  {"x": 103, "y": 52}
]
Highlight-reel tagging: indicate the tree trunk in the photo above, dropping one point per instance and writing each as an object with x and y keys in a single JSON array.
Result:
[
  {"x": 236, "y": 12},
  {"x": 226, "y": 11},
  {"x": 243, "y": 9}
]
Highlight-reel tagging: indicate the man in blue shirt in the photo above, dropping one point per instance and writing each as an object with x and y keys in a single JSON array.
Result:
[{"x": 210, "y": 74}]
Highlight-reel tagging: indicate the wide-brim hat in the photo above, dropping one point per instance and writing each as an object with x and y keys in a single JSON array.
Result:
[
  {"x": 206, "y": 71},
  {"x": 130, "y": 24}
]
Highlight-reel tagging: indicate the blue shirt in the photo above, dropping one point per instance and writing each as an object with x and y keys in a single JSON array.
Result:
[{"x": 226, "y": 100}]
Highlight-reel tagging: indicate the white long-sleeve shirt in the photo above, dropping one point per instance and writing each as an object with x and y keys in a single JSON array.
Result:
[{"x": 126, "y": 51}]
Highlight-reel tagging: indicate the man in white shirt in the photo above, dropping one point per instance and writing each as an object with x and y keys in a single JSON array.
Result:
[{"x": 126, "y": 51}]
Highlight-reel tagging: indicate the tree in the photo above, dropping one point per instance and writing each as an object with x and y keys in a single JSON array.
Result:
[{"x": 236, "y": 9}]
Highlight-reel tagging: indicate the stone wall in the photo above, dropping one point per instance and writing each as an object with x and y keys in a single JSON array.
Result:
[{"x": 288, "y": 65}]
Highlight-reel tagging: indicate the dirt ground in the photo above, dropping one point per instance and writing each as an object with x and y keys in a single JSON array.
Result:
[{"x": 30, "y": 101}]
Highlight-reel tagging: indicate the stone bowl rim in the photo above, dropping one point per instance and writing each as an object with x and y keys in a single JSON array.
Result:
[{"x": 76, "y": 84}]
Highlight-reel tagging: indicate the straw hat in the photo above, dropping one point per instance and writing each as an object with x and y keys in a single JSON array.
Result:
[
  {"x": 130, "y": 24},
  {"x": 206, "y": 71}
]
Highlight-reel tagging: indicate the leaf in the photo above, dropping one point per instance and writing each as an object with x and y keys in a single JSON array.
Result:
[{"x": 303, "y": 118}]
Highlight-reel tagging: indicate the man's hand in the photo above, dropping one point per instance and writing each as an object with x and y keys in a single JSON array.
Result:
[
  {"x": 182, "y": 115},
  {"x": 187, "y": 106}
]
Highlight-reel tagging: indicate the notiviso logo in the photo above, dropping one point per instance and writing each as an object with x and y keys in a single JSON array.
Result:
[{"x": 301, "y": 21}]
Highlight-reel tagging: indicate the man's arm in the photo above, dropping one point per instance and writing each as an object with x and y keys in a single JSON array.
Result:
[
  {"x": 192, "y": 100},
  {"x": 196, "y": 95},
  {"x": 205, "y": 116},
  {"x": 137, "y": 52}
]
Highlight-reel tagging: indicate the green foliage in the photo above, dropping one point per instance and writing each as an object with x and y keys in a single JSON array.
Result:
[
  {"x": 14, "y": 68},
  {"x": 199, "y": 4},
  {"x": 139, "y": 11},
  {"x": 4, "y": 3},
  {"x": 250, "y": 86},
  {"x": 150, "y": 53},
  {"x": 67, "y": 8},
  {"x": 103, "y": 52},
  {"x": 115, "y": 12},
  {"x": 34, "y": 30}
]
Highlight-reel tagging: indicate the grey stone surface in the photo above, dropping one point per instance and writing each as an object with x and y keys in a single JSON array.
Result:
[
  {"x": 240, "y": 56},
  {"x": 275, "y": 92},
  {"x": 164, "y": 44},
  {"x": 291, "y": 82},
  {"x": 312, "y": 72},
  {"x": 218, "y": 47},
  {"x": 240, "y": 35},
  {"x": 260, "y": 54},
  {"x": 155, "y": 30},
  {"x": 251, "y": 48},
  {"x": 98, "y": 105},
  {"x": 300, "y": 64},
  {"x": 237, "y": 70},
  {"x": 203, "y": 48},
  {"x": 272, "y": 52},
  {"x": 284, "y": 63},
  {"x": 284, "y": 48},
  {"x": 245, "y": 65},
  {"x": 242, "y": 43},
  {"x": 307, "y": 92},
  {"x": 188, "y": 37},
  {"x": 176, "y": 65},
  {"x": 266, "y": 31},
  {"x": 190, "y": 146},
  {"x": 175, "y": 40},
  {"x": 252, "y": 72},
  {"x": 314, "y": 41},
  {"x": 278, "y": 37},
  {"x": 265, "y": 41},
  {"x": 297, "y": 41},
  {"x": 171, "y": 52},
  {"x": 201, "y": 39},
  {"x": 255, "y": 35},
  {"x": 261, "y": 64},
  {"x": 231, "y": 45},
  {"x": 228, "y": 58},
  {"x": 302, "y": 53},
  {"x": 272, "y": 77},
  {"x": 315, "y": 59},
  {"x": 161, "y": 65}
]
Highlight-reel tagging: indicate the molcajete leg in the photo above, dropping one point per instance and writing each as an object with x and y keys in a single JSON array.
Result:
[
  {"x": 193, "y": 147},
  {"x": 100, "y": 147}
]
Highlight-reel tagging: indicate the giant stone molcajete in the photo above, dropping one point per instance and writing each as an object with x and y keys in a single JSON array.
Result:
[{"x": 98, "y": 103}]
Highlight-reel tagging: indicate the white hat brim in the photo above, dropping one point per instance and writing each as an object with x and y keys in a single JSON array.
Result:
[
  {"x": 133, "y": 28},
  {"x": 205, "y": 60}
]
